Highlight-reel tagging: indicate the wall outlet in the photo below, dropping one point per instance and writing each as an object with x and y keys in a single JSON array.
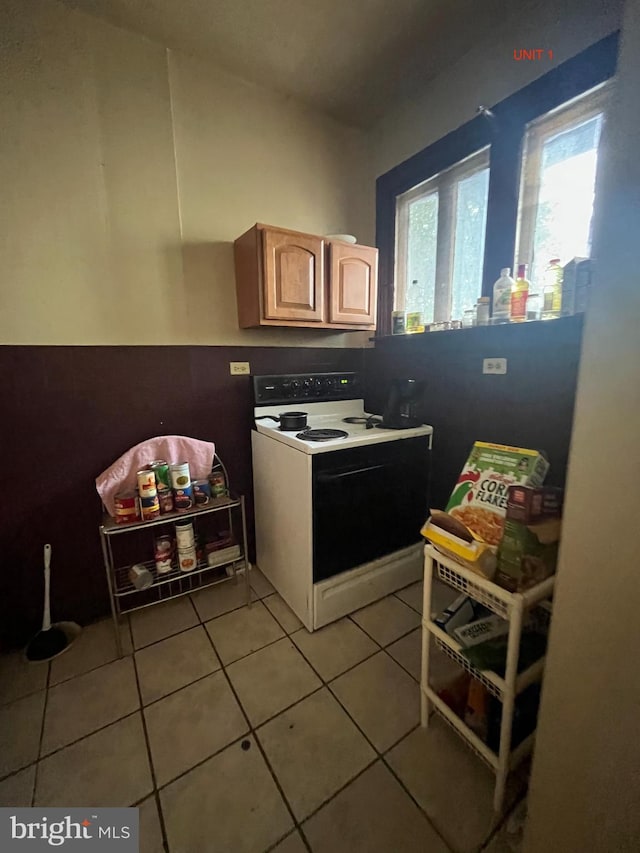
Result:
[
  {"x": 239, "y": 368},
  {"x": 494, "y": 365}
]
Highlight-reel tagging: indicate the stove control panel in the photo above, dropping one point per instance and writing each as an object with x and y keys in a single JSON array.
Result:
[{"x": 297, "y": 387}]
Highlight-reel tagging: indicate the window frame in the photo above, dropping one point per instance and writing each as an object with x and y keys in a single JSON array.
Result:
[
  {"x": 445, "y": 184},
  {"x": 504, "y": 133},
  {"x": 537, "y": 132}
]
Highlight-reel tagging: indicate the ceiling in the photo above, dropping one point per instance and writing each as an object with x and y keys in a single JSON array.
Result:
[{"x": 349, "y": 58}]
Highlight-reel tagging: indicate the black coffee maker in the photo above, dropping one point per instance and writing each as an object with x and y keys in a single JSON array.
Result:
[{"x": 403, "y": 406}]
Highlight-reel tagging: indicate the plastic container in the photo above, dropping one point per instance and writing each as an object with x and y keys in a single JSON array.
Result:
[
  {"x": 534, "y": 306},
  {"x": 469, "y": 318},
  {"x": 482, "y": 311},
  {"x": 397, "y": 323},
  {"x": 502, "y": 295}
]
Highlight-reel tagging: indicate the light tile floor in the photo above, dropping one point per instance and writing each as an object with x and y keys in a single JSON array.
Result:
[{"x": 234, "y": 729}]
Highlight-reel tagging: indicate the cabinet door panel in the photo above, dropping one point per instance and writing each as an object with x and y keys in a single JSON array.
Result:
[
  {"x": 293, "y": 276},
  {"x": 353, "y": 285}
]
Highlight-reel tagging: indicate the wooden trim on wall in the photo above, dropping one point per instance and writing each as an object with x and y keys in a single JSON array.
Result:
[{"x": 504, "y": 133}]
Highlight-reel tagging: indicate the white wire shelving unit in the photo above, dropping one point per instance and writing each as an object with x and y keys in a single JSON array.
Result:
[{"x": 510, "y": 606}]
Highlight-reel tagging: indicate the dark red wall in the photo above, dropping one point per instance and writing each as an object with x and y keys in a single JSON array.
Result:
[
  {"x": 531, "y": 406},
  {"x": 68, "y": 412}
]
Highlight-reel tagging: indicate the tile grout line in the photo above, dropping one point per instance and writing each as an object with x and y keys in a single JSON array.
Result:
[
  {"x": 380, "y": 755},
  {"x": 411, "y": 796},
  {"x": 44, "y": 714},
  {"x": 253, "y": 733},
  {"x": 154, "y": 792},
  {"x": 251, "y": 729}
]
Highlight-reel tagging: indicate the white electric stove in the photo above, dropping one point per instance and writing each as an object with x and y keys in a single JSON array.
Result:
[{"x": 337, "y": 516}]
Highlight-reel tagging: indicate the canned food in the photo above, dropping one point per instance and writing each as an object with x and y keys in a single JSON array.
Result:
[
  {"x": 218, "y": 483},
  {"x": 140, "y": 576},
  {"x": 126, "y": 507},
  {"x": 146, "y": 483},
  {"x": 180, "y": 475},
  {"x": 183, "y": 499},
  {"x": 163, "y": 549},
  {"x": 187, "y": 560},
  {"x": 149, "y": 507},
  {"x": 165, "y": 499},
  {"x": 185, "y": 537},
  {"x": 163, "y": 543},
  {"x": 161, "y": 469},
  {"x": 201, "y": 492}
]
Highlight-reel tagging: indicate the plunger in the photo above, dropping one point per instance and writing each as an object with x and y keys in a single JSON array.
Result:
[{"x": 52, "y": 640}]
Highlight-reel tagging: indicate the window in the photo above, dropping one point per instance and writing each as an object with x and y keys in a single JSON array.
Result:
[
  {"x": 560, "y": 161},
  {"x": 446, "y": 224},
  {"x": 440, "y": 231}
]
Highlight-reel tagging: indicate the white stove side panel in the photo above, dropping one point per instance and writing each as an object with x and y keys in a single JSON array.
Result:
[{"x": 283, "y": 504}]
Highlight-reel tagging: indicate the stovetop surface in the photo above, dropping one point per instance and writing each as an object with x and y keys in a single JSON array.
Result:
[{"x": 329, "y": 415}]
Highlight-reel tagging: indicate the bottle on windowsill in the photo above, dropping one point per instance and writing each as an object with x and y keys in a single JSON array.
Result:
[
  {"x": 552, "y": 293},
  {"x": 502, "y": 296},
  {"x": 519, "y": 295}
]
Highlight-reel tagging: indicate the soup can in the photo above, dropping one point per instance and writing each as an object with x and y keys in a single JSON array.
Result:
[
  {"x": 163, "y": 549},
  {"x": 183, "y": 499},
  {"x": 180, "y": 475},
  {"x": 149, "y": 508},
  {"x": 146, "y": 483},
  {"x": 185, "y": 537},
  {"x": 218, "y": 483},
  {"x": 140, "y": 576},
  {"x": 126, "y": 507},
  {"x": 161, "y": 469},
  {"x": 201, "y": 492},
  {"x": 165, "y": 499},
  {"x": 187, "y": 560}
]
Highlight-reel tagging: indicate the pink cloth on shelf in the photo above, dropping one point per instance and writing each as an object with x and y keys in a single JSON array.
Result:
[{"x": 174, "y": 448}]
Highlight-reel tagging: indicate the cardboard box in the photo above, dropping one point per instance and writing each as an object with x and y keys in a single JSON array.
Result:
[
  {"x": 479, "y": 499},
  {"x": 455, "y": 541},
  {"x": 528, "y": 552}
]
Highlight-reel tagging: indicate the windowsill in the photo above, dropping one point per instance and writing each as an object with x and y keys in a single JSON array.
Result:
[{"x": 481, "y": 330}]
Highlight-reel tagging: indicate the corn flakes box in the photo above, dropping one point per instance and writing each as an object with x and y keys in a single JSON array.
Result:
[{"x": 479, "y": 498}]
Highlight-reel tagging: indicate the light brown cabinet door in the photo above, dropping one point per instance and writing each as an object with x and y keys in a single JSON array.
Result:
[
  {"x": 353, "y": 284},
  {"x": 293, "y": 269}
]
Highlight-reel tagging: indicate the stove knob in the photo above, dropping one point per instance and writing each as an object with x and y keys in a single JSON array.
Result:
[{"x": 294, "y": 387}]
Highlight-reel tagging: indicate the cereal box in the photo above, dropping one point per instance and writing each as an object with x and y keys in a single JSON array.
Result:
[
  {"x": 479, "y": 499},
  {"x": 528, "y": 551}
]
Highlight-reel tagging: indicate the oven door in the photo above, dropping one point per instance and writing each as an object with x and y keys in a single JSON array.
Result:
[{"x": 368, "y": 502}]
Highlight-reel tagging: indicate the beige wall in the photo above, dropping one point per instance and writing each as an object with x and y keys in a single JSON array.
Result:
[
  {"x": 586, "y": 775},
  {"x": 488, "y": 73},
  {"x": 127, "y": 171}
]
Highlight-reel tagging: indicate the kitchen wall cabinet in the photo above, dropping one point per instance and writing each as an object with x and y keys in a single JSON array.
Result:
[
  {"x": 353, "y": 284},
  {"x": 286, "y": 278}
]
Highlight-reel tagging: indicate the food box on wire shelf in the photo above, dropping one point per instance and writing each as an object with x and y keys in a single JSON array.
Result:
[{"x": 471, "y": 528}]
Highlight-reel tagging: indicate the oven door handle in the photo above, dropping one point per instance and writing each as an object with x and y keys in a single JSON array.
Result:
[{"x": 343, "y": 475}]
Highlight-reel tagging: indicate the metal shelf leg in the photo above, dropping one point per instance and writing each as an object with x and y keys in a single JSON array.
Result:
[{"x": 108, "y": 566}]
